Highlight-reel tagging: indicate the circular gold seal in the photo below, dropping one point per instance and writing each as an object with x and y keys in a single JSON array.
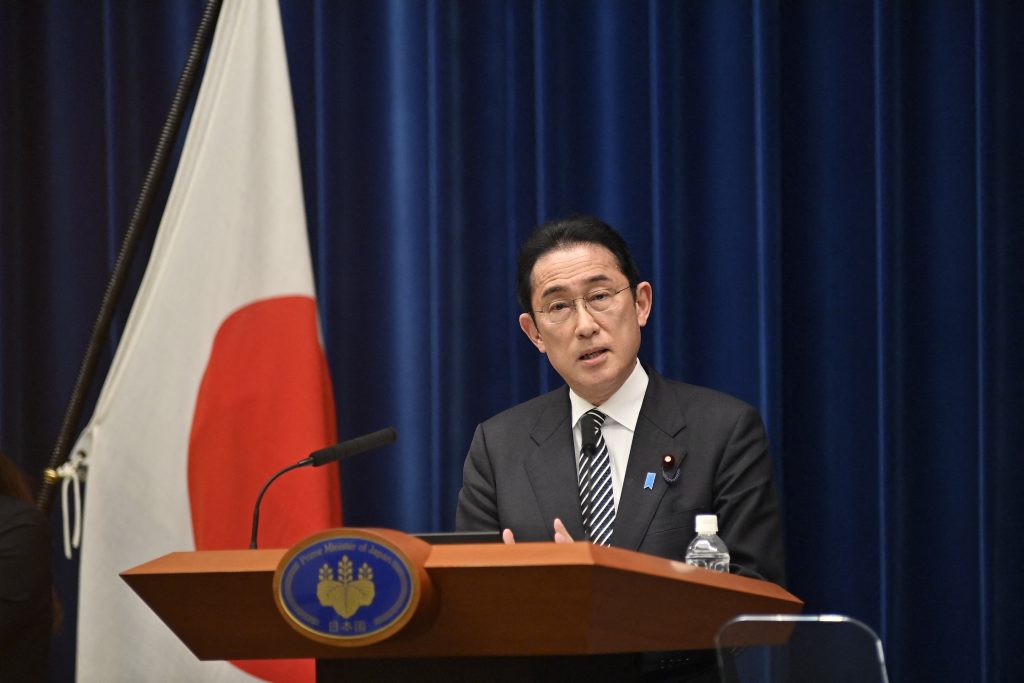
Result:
[{"x": 346, "y": 587}]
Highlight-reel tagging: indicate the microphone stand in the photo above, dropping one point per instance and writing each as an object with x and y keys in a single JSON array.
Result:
[
  {"x": 325, "y": 456},
  {"x": 259, "y": 500}
]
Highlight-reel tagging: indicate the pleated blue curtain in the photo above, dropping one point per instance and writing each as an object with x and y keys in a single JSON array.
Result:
[{"x": 826, "y": 197}]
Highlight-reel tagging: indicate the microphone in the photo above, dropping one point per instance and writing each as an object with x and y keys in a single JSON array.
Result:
[
  {"x": 345, "y": 449},
  {"x": 324, "y": 456},
  {"x": 588, "y": 434}
]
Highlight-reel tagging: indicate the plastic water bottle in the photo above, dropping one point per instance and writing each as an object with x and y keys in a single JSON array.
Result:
[{"x": 707, "y": 550}]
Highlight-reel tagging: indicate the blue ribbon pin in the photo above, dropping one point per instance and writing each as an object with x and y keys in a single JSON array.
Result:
[{"x": 649, "y": 481}]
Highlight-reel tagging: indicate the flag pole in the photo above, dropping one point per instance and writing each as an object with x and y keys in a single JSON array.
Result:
[{"x": 115, "y": 285}]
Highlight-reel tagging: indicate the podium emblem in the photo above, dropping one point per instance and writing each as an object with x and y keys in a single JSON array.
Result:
[
  {"x": 346, "y": 587},
  {"x": 342, "y": 592}
]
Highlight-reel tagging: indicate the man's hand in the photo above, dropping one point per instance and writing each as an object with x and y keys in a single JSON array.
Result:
[{"x": 561, "y": 535}]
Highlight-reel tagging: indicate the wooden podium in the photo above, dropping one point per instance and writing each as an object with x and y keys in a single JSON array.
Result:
[{"x": 484, "y": 606}]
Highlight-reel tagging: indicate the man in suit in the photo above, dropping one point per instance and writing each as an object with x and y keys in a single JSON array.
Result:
[{"x": 672, "y": 450}]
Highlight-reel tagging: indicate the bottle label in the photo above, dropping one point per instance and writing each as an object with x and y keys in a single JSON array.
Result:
[{"x": 712, "y": 564}]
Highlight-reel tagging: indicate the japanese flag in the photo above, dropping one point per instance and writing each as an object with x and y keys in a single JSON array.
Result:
[{"x": 220, "y": 377}]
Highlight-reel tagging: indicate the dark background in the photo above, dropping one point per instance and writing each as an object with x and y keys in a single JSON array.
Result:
[{"x": 827, "y": 197}]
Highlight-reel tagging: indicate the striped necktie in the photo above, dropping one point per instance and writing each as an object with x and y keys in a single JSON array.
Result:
[{"x": 596, "y": 501}]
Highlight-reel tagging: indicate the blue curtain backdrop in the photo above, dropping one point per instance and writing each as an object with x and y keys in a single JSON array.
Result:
[{"x": 826, "y": 195}]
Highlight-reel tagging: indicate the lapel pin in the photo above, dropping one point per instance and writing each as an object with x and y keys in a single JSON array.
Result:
[
  {"x": 649, "y": 481},
  {"x": 669, "y": 468}
]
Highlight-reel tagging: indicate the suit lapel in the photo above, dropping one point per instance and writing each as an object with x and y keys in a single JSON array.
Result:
[
  {"x": 552, "y": 466},
  {"x": 658, "y": 431}
]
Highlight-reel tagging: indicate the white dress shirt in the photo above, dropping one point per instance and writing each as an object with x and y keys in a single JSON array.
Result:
[{"x": 622, "y": 410}]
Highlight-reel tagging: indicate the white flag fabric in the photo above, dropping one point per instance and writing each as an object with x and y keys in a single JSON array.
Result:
[{"x": 219, "y": 379}]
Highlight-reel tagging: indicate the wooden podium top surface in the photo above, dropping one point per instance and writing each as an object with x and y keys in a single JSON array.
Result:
[{"x": 490, "y": 600}]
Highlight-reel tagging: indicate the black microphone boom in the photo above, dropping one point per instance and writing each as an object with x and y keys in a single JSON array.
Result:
[{"x": 334, "y": 453}]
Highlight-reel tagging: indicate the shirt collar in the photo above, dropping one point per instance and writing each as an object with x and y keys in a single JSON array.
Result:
[{"x": 623, "y": 406}]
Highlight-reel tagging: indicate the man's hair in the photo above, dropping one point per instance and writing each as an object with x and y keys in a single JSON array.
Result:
[{"x": 568, "y": 232}]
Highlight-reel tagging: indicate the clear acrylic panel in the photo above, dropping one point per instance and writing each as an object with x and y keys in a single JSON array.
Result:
[{"x": 784, "y": 648}]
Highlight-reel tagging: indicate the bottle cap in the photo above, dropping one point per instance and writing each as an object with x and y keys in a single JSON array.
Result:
[{"x": 707, "y": 524}]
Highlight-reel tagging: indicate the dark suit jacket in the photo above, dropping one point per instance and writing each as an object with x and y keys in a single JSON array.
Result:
[
  {"x": 25, "y": 591},
  {"x": 521, "y": 473}
]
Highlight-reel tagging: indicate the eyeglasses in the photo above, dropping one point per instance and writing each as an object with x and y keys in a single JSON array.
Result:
[{"x": 597, "y": 301}]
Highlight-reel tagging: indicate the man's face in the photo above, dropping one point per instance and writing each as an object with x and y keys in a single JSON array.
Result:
[{"x": 594, "y": 352}]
